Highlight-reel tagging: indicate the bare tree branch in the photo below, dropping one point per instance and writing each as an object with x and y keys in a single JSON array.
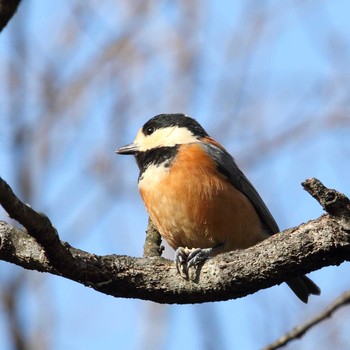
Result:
[
  {"x": 39, "y": 227},
  {"x": 152, "y": 246},
  {"x": 300, "y": 330},
  {"x": 311, "y": 246},
  {"x": 333, "y": 202},
  {"x": 7, "y": 9}
]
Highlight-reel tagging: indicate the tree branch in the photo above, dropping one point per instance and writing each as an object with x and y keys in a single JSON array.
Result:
[
  {"x": 332, "y": 201},
  {"x": 40, "y": 228},
  {"x": 300, "y": 330},
  {"x": 7, "y": 9},
  {"x": 318, "y": 243},
  {"x": 152, "y": 246}
]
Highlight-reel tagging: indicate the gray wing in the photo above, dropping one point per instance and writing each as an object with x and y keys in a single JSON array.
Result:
[{"x": 227, "y": 166}]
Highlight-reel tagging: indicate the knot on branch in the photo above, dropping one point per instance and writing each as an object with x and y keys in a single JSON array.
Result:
[{"x": 333, "y": 202}]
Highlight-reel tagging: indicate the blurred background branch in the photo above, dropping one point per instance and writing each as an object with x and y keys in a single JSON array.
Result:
[
  {"x": 300, "y": 330},
  {"x": 269, "y": 80}
]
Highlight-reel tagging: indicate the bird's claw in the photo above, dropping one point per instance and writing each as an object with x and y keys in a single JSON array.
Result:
[
  {"x": 186, "y": 258},
  {"x": 198, "y": 256},
  {"x": 181, "y": 255}
]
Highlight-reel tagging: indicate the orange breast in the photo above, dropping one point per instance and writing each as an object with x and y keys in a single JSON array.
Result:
[{"x": 193, "y": 205}]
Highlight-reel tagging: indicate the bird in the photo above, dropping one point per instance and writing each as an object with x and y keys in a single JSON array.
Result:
[{"x": 201, "y": 203}]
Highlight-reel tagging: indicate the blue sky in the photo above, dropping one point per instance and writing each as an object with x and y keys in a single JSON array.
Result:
[{"x": 249, "y": 84}]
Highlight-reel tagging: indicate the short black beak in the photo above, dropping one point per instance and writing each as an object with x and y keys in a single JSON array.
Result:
[{"x": 131, "y": 148}]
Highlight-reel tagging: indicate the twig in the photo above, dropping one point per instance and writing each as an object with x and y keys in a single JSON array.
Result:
[
  {"x": 333, "y": 202},
  {"x": 300, "y": 330},
  {"x": 152, "y": 246}
]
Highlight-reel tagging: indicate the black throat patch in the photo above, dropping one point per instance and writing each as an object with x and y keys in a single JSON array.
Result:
[{"x": 156, "y": 156}]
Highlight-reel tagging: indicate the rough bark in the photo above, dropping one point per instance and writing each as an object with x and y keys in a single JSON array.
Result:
[{"x": 308, "y": 247}]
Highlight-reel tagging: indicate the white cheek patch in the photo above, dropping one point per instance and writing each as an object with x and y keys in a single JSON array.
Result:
[{"x": 164, "y": 137}]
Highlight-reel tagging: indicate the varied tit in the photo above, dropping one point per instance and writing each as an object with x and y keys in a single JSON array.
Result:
[{"x": 197, "y": 197}]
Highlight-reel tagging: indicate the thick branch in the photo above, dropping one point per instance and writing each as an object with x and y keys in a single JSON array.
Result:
[{"x": 311, "y": 246}]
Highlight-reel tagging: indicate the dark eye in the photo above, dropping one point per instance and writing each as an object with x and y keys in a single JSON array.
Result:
[{"x": 149, "y": 130}]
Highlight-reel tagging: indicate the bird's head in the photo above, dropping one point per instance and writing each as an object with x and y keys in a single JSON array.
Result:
[{"x": 165, "y": 130}]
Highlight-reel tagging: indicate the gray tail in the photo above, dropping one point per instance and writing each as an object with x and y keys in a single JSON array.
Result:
[{"x": 302, "y": 287}]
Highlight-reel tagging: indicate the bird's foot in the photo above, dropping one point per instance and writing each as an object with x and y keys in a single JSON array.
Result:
[
  {"x": 186, "y": 258},
  {"x": 198, "y": 256},
  {"x": 181, "y": 254}
]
